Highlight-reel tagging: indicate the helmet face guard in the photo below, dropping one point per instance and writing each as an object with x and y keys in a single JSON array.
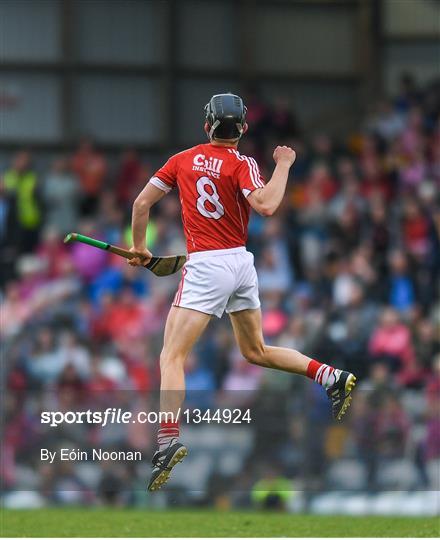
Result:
[{"x": 226, "y": 116}]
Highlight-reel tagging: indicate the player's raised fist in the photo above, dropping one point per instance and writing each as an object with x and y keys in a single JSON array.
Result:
[
  {"x": 284, "y": 154},
  {"x": 143, "y": 257}
]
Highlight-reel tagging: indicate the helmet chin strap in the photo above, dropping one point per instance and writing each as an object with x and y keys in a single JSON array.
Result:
[
  {"x": 213, "y": 128},
  {"x": 239, "y": 128}
]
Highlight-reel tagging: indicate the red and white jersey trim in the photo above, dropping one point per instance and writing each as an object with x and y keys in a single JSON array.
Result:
[
  {"x": 159, "y": 184},
  {"x": 253, "y": 171}
]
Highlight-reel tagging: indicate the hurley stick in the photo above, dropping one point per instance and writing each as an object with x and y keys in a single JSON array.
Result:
[{"x": 160, "y": 266}]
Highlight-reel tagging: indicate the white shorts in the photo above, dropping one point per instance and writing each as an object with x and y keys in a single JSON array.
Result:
[{"x": 219, "y": 280}]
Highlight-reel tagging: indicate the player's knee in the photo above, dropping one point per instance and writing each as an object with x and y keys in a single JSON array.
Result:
[
  {"x": 255, "y": 354},
  {"x": 169, "y": 361}
]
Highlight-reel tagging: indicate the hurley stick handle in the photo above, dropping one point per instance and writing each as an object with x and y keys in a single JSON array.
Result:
[
  {"x": 160, "y": 266},
  {"x": 72, "y": 237}
]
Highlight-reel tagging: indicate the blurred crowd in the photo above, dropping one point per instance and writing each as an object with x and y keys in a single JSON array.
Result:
[{"x": 348, "y": 270}]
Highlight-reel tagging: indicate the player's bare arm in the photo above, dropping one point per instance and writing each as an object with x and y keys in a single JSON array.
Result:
[
  {"x": 149, "y": 196},
  {"x": 266, "y": 200}
]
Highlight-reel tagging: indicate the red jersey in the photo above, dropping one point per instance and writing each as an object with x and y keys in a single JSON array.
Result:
[{"x": 214, "y": 182}]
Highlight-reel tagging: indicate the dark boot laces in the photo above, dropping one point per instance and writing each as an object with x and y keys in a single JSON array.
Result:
[{"x": 158, "y": 461}]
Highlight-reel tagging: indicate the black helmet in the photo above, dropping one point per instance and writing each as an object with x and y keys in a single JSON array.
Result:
[{"x": 226, "y": 116}]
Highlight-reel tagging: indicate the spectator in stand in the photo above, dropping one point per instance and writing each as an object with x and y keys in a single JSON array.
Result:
[
  {"x": 343, "y": 284},
  {"x": 392, "y": 427},
  {"x": 362, "y": 266},
  {"x": 115, "y": 277},
  {"x": 91, "y": 169},
  {"x": 98, "y": 382},
  {"x": 409, "y": 95},
  {"x": 414, "y": 172},
  {"x": 320, "y": 181},
  {"x": 391, "y": 343},
  {"x": 71, "y": 352},
  {"x": 349, "y": 193},
  {"x": 283, "y": 122},
  {"x": 43, "y": 363},
  {"x": 200, "y": 384},
  {"x": 295, "y": 335},
  {"x": 21, "y": 181},
  {"x": 53, "y": 251},
  {"x": 111, "y": 218},
  {"x": 434, "y": 154},
  {"x": 121, "y": 318},
  {"x": 379, "y": 384},
  {"x": 139, "y": 362},
  {"x": 401, "y": 287},
  {"x": 272, "y": 491},
  {"x": 415, "y": 229},
  {"x": 362, "y": 420},
  {"x": 15, "y": 312},
  {"x": 274, "y": 318},
  {"x": 242, "y": 377},
  {"x": 432, "y": 444},
  {"x": 350, "y": 327},
  {"x": 346, "y": 231},
  {"x": 71, "y": 387},
  {"x": 412, "y": 138},
  {"x": 313, "y": 219},
  {"x": 322, "y": 151},
  {"x": 433, "y": 383},
  {"x": 388, "y": 122},
  {"x": 273, "y": 273},
  {"x": 378, "y": 233},
  {"x": 89, "y": 263},
  {"x": 257, "y": 115},
  {"x": 426, "y": 345},
  {"x": 61, "y": 193},
  {"x": 375, "y": 182},
  {"x": 33, "y": 278},
  {"x": 9, "y": 236},
  {"x": 130, "y": 178}
]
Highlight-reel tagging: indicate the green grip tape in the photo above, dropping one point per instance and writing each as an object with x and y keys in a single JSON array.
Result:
[{"x": 87, "y": 240}]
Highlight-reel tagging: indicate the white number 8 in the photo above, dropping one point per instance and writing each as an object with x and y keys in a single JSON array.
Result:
[{"x": 213, "y": 198}]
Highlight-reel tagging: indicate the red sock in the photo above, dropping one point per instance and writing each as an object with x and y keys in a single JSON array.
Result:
[
  {"x": 312, "y": 369},
  {"x": 322, "y": 373},
  {"x": 167, "y": 432}
]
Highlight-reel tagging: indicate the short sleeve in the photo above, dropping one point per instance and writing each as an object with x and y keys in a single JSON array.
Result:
[
  {"x": 248, "y": 175},
  {"x": 166, "y": 177}
]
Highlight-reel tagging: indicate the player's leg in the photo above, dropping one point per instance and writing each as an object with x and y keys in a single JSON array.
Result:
[
  {"x": 249, "y": 335},
  {"x": 182, "y": 330},
  {"x": 205, "y": 287}
]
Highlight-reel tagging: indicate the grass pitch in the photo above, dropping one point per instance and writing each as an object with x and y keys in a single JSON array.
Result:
[{"x": 60, "y": 522}]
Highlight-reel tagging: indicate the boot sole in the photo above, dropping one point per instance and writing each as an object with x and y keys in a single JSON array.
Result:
[
  {"x": 162, "y": 478},
  {"x": 350, "y": 383}
]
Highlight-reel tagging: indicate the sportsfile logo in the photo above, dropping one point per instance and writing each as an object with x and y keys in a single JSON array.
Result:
[
  {"x": 113, "y": 415},
  {"x": 209, "y": 165}
]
